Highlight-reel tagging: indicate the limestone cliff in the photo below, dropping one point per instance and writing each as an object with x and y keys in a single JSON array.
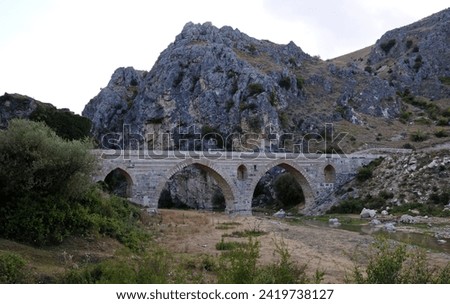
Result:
[{"x": 225, "y": 82}]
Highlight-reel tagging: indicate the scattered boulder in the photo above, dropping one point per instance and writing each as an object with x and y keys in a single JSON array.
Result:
[
  {"x": 384, "y": 213},
  {"x": 334, "y": 222},
  {"x": 375, "y": 222},
  {"x": 280, "y": 214},
  {"x": 389, "y": 227},
  {"x": 441, "y": 241},
  {"x": 433, "y": 164},
  {"x": 407, "y": 219},
  {"x": 368, "y": 213}
]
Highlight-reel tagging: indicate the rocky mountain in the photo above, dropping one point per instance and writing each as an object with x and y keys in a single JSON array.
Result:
[
  {"x": 223, "y": 81},
  {"x": 64, "y": 122},
  {"x": 414, "y": 57}
]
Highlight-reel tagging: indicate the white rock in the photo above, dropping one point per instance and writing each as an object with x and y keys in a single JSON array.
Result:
[
  {"x": 375, "y": 222},
  {"x": 433, "y": 164},
  {"x": 407, "y": 219},
  {"x": 334, "y": 222},
  {"x": 280, "y": 214},
  {"x": 384, "y": 213},
  {"x": 368, "y": 213},
  {"x": 390, "y": 227},
  {"x": 441, "y": 241}
]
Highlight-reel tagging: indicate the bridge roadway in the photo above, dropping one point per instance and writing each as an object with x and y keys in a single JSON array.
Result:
[{"x": 237, "y": 173}]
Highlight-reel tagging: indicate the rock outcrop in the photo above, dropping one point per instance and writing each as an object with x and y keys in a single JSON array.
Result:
[
  {"x": 415, "y": 57},
  {"x": 221, "y": 81},
  {"x": 64, "y": 122}
]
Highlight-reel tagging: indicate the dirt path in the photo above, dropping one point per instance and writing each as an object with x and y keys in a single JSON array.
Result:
[{"x": 323, "y": 248}]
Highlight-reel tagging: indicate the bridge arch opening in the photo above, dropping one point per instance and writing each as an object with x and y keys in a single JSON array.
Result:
[
  {"x": 119, "y": 182},
  {"x": 282, "y": 185},
  {"x": 329, "y": 174},
  {"x": 195, "y": 186},
  {"x": 242, "y": 172}
]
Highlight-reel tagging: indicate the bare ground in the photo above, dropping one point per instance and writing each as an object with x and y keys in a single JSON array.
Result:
[{"x": 323, "y": 248}]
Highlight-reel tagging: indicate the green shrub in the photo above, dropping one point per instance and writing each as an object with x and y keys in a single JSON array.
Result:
[
  {"x": 418, "y": 63},
  {"x": 440, "y": 134},
  {"x": 285, "y": 270},
  {"x": 409, "y": 43},
  {"x": 238, "y": 266},
  {"x": 42, "y": 177},
  {"x": 364, "y": 174},
  {"x": 12, "y": 269},
  {"x": 387, "y": 46},
  {"x": 151, "y": 268},
  {"x": 46, "y": 190},
  {"x": 385, "y": 264},
  {"x": 255, "y": 89},
  {"x": 349, "y": 206},
  {"x": 445, "y": 80},
  {"x": 418, "y": 136},
  {"x": 273, "y": 99},
  {"x": 391, "y": 263},
  {"x": 285, "y": 82},
  {"x": 254, "y": 232},
  {"x": 300, "y": 82},
  {"x": 227, "y": 225},
  {"x": 255, "y": 123},
  {"x": 443, "y": 122},
  {"x": 64, "y": 123},
  {"x": 405, "y": 116},
  {"x": 222, "y": 245}
]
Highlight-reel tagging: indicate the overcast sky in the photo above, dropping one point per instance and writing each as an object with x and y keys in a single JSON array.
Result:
[{"x": 63, "y": 52}]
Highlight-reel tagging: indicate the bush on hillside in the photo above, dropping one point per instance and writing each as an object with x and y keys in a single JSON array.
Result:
[
  {"x": 66, "y": 124},
  {"x": 47, "y": 193}
]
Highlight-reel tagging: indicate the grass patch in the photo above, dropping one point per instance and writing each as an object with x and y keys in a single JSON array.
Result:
[
  {"x": 227, "y": 225},
  {"x": 222, "y": 245},
  {"x": 246, "y": 233}
]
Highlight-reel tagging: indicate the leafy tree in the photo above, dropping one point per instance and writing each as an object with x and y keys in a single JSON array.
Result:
[
  {"x": 66, "y": 124},
  {"x": 42, "y": 179},
  {"x": 35, "y": 162}
]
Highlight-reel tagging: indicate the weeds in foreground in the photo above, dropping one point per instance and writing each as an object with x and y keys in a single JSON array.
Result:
[
  {"x": 12, "y": 269},
  {"x": 393, "y": 263},
  {"x": 240, "y": 266}
]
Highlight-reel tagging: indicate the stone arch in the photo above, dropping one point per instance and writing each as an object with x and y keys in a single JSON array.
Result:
[
  {"x": 329, "y": 173},
  {"x": 299, "y": 174},
  {"x": 222, "y": 180},
  {"x": 128, "y": 178},
  {"x": 242, "y": 172}
]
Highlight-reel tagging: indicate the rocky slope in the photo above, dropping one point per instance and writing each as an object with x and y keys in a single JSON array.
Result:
[
  {"x": 223, "y": 81},
  {"x": 416, "y": 181},
  {"x": 414, "y": 57},
  {"x": 65, "y": 123}
]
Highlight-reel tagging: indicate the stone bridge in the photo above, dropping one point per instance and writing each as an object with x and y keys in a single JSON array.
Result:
[{"x": 237, "y": 173}]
